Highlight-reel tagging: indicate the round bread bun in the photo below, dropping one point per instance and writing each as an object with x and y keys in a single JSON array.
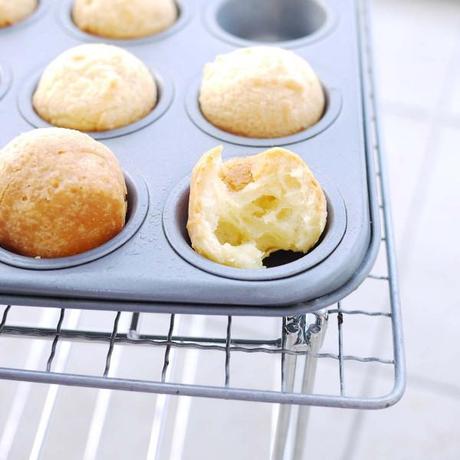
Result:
[
  {"x": 61, "y": 193},
  {"x": 95, "y": 87},
  {"x": 13, "y": 11},
  {"x": 244, "y": 209},
  {"x": 261, "y": 92},
  {"x": 124, "y": 18}
]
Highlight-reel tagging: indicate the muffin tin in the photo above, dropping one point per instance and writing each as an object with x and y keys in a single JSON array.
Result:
[{"x": 150, "y": 265}]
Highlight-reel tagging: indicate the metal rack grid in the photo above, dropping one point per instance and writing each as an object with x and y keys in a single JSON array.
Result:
[{"x": 299, "y": 337}]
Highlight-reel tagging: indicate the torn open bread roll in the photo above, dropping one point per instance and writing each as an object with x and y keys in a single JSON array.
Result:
[{"x": 244, "y": 209}]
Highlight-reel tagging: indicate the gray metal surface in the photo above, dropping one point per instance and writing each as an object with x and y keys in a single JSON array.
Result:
[
  {"x": 289, "y": 441},
  {"x": 147, "y": 273},
  {"x": 297, "y": 344}
]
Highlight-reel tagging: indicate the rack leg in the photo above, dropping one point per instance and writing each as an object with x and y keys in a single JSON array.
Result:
[{"x": 300, "y": 333}]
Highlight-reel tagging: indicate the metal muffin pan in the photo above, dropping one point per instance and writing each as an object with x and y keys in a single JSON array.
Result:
[
  {"x": 150, "y": 265},
  {"x": 289, "y": 24},
  {"x": 5, "y": 79}
]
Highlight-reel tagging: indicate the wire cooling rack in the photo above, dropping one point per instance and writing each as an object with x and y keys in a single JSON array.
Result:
[
  {"x": 298, "y": 340},
  {"x": 299, "y": 337},
  {"x": 298, "y": 346}
]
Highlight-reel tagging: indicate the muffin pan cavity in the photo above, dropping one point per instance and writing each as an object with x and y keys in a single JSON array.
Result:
[
  {"x": 165, "y": 96},
  {"x": 285, "y": 23},
  {"x": 66, "y": 20},
  {"x": 138, "y": 204},
  {"x": 279, "y": 265},
  {"x": 331, "y": 112},
  {"x": 5, "y": 79}
]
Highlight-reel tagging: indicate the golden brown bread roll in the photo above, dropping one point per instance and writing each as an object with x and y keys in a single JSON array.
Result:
[
  {"x": 13, "y": 11},
  {"x": 95, "y": 87},
  {"x": 124, "y": 18},
  {"x": 61, "y": 193},
  {"x": 261, "y": 92},
  {"x": 244, "y": 209}
]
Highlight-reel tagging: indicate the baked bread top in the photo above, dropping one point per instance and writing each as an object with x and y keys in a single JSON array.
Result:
[
  {"x": 95, "y": 87},
  {"x": 61, "y": 193},
  {"x": 13, "y": 11},
  {"x": 124, "y": 19},
  {"x": 261, "y": 92}
]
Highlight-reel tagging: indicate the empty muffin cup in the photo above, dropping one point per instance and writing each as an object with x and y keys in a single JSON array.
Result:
[
  {"x": 288, "y": 22},
  {"x": 278, "y": 265}
]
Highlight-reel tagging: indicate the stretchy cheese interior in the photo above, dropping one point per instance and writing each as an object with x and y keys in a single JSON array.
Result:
[{"x": 244, "y": 209}]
